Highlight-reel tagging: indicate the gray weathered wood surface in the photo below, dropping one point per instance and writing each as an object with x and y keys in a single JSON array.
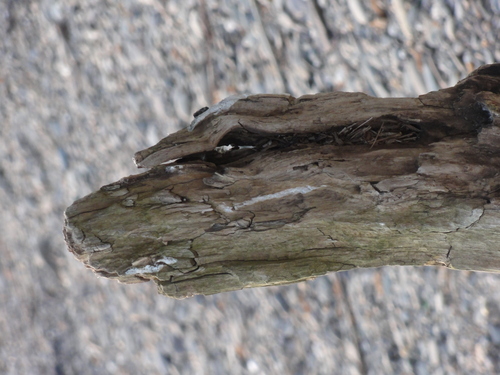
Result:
[{"x": 300, "y": 187}]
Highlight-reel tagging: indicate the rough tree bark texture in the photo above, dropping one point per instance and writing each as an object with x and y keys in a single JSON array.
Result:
[{"x": 270, "y": 189}]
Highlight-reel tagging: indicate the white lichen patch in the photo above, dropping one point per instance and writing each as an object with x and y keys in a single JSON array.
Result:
[
  {"x": 218, "y": 108},
  {"x": 225, "y": 208},
  {"x": 173, "y": 168},
  {"x": 223, "y": 149},
  {"x": 167, "y": 260},
  {"x": 262, "y": 198},
  {"x": 280, "y": 194},
  {"x": 148, "y": 268},
  {"x": 144, "y": 270}
]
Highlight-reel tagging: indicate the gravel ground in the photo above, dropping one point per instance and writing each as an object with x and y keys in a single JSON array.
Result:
[{"x": 85, "y": 84}]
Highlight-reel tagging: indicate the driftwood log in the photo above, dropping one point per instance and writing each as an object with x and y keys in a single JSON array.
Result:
[{"x": 271, "y": 189}]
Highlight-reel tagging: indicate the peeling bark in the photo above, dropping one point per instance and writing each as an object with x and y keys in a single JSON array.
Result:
[{"x": 271, "y": 189}]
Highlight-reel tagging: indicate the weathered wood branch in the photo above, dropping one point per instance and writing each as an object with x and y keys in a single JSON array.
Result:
[{"x": 270, "y": 189}]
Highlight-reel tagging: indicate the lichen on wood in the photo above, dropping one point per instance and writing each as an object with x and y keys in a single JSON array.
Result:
[{"x": 271, "y": 189}]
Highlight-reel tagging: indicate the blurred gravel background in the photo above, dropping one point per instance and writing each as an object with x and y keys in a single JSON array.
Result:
[{"x": 84, "y": 84}]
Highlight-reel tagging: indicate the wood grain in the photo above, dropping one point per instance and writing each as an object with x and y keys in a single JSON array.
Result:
[{"x": 293, "y": 196}]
